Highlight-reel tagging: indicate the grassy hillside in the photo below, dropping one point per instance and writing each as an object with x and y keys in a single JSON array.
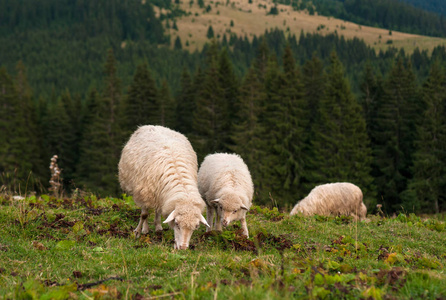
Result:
[
  {"x": 251, "y": 19},
  {"x": 83, "y": 247}
]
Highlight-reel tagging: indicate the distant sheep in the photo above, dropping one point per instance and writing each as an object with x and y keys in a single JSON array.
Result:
[
  {"x": 159, "y": 168},
  {"x": 225, "y": 183},
  {"x": 341, "y": 198}
]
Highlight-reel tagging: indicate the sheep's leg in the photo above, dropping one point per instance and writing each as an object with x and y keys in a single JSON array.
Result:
[
  {"x": 158, "y": 226},
  {"x": 218, "y": 221},
  {"x": 244, "y": 227},
  {"x": 210, "y": 217},
  {"x": 142, "y": 222}
]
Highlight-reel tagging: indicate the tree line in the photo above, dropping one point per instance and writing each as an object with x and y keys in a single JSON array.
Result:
[{"x": 295, "y": 124}]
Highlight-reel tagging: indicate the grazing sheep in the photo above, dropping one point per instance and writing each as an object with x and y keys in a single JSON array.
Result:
[
  {"x": 159, "y": 168},
  {"x": 225, "y": 183},
  {"x": 341, "y": 198}
]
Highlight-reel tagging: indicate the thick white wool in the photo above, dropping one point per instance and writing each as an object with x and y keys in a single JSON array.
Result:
[
  {"x": 226, "y": 178},
  {"x": 158, "y": 167},
  {"x": 222, "y": 173},
  {"x": 341, "y": 198}
]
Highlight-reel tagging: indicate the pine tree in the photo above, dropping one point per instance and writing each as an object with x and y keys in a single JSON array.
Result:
[
  {"x": 246, "y": 133},
  {"x": 210, "y": 121},
  {"x": 427, "y": 188},
  {"x": 140, "y": 107},
  {"x": 177, "y": 45},
  {"x": 261, "y": 60},
  {"x": 340, "y": 147},
  {"x": 95, "y": 172},
  {"x": 69, "y": 157},
  {"x": 166, "y": 107},
  {"x": 229, "y": 84},
  {"x": 314, "y": 85},
  {"x": 102, "y": 139},
  {"x": 284, "y": 121},
  {"x": 185, "y": 104},
  {"x": 210, "y": 32},
  {"x": 15, "y": 165},
  {"x": 396, "y": 117},
  {"x": 33, "y": 132},
  {"x": 371, "y": 91}
]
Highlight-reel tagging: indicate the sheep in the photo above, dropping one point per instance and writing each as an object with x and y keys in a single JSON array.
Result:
[
  {"x": 341, "y": 198},
  {"x": 225, "y": 183},
  {"x": 158, "y": 166}
]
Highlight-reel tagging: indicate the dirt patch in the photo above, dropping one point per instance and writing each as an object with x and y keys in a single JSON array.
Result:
[
  {"x": 95, "y": 211},
  {"x": 280, "y": 242},
  {"x": 114, "y": 231},
  {"x": 239, "y": 242},
  {"x": 236, "y": 242},
  {"x": 59, "y": 222}
]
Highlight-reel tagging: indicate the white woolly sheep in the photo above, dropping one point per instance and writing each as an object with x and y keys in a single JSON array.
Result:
[
  {"x": 159, "y": 168},
  {"x": 341, "y": 198},
  {"x": 225, "y": 183}
]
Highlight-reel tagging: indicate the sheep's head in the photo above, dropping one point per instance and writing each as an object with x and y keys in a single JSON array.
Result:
[
  {"x": 184, "y": 222},
  {"x": 230, "y": 208}
]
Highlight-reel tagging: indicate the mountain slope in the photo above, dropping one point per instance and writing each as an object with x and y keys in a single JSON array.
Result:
[{"x": 248, "y": 19}]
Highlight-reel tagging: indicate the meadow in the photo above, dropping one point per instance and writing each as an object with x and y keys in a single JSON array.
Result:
[
  {"x": 251, "y": 18},
  {"x": 83, "y": 248}
]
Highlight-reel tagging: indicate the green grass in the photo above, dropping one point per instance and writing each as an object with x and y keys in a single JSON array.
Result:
[{"x": 84, "y": 248}]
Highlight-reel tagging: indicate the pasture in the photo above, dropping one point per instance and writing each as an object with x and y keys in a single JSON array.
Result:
[
  {"x": 83, "y": 248},
  {"x": 248, "y": 19}
]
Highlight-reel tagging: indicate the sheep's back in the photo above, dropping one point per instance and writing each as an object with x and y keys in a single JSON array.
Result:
[
  {"x": 155, "y": 163},
  {"x": 221, "y": 171},
  {"x": 333, "y": 198}
]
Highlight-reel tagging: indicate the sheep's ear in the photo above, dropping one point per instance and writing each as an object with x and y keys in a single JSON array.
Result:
[
  {"x": 203, "y": 221},
  {"x": 243, "y": 207},
  {"x": 216, "y": 201},
  {"x": 171, "y": 217}
]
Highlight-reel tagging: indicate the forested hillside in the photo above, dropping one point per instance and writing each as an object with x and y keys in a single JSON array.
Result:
[{"x": 300, "y": 109}]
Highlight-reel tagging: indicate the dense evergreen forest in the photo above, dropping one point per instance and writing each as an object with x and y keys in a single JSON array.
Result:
[
  {"x": 436, "y": 6},
  {"x": 389, "y": 14},
  {"x": 301, "y": 110}
]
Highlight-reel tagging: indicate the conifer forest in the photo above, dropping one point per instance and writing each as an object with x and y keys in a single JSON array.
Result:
[{"x": 302, "y": 109}]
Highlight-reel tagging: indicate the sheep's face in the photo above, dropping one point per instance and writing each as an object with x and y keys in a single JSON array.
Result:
[
  {"x": 230, "y": 208},
  {"x": 183, "y": 224}
]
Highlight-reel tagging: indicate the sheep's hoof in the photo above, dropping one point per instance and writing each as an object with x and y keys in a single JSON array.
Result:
[
  {"x": 136, "y": 233},
  {"x": 158, "y": 229}
]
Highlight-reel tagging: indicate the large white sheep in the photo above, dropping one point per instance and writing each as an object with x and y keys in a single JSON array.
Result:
[
  {"x": 340, "y": 198},
  {"x": 225, "y": 183},
  {"x": 159, "y": 168}
]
